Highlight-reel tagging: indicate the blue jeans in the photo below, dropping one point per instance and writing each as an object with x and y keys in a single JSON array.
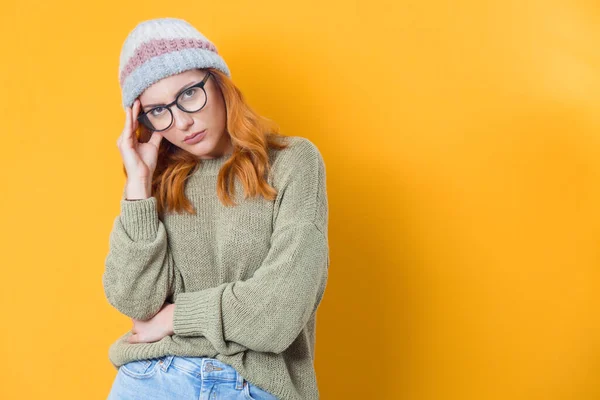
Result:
[{"x": 181, "y": 378}]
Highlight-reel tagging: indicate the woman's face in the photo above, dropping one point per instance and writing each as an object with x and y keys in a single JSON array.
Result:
[{"x": 216, "y": 141}]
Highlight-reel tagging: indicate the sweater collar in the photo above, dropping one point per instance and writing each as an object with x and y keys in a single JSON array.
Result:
[{"x": 213, "y": 165}]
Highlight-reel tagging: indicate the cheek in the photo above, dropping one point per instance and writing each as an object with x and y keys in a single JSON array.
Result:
[
  {"x": 169, "y": 138},
  {"x": 214, "y": 117},
  {"x": 217, "y": 106},
  {"x": 218, "y": 115}
]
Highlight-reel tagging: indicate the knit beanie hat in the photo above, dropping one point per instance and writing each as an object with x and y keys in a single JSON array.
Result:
[{"x": 159, "y": 48}]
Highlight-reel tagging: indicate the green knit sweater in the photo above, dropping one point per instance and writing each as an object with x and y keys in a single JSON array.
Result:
[{"x": 246, "y": 280}]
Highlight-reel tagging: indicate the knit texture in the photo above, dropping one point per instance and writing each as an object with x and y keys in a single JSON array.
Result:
[
  {"x": 161, "y": 47},
  {"x": 246, "y": 280}
]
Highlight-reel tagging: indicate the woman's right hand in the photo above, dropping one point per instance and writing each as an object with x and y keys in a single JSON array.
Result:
[{"x": 139, "y": 158}]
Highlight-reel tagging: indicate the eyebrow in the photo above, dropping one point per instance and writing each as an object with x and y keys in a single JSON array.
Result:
[{"x": 178, "y": 93}]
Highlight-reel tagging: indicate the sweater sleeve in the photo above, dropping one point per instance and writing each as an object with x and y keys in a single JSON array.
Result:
[
  {"x": 139, "y": 274},
  {"x": 268, "y": 311}
]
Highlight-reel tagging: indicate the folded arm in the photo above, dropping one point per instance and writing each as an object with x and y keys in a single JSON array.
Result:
[
  {"x": 268, "y": 311},
  {"x": 139, "y": 274}
]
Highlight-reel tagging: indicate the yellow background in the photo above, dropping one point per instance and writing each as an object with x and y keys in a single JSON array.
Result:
[{"x": 462, "y": 147}]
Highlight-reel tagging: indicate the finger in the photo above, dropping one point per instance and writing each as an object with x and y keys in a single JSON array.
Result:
[
  {"x": 136, "y": 111},
  {"x": 134, "y": 121},
  {"x": 155, "y": 138},
  {"x": 130, "y": 134},
  {"x": 127, "y": 129},
  {"x": 126, "y": 138},
  {"x": 132, "y": 339}
]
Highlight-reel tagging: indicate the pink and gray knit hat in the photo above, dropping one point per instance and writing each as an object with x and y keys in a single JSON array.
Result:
[{"x": 159, "y": 48}]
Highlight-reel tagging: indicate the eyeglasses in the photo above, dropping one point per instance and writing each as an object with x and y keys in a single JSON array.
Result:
[{"x": 190, "y": 100}]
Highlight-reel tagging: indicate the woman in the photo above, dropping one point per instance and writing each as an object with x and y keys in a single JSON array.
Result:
[{"x": 220, "y": 254}]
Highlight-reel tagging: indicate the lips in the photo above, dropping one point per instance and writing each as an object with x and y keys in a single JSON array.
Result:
[{"x": 192, "y": 135}]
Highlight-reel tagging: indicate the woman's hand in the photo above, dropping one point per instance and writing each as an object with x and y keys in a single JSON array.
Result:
[
  {"x": 154, "y": 329},
  {"x": 140, "y": 159}
]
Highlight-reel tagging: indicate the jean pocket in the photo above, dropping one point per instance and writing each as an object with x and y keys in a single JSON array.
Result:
[
  {"x": 253, "y": 392},
  {"x": 141, "y": 369}
]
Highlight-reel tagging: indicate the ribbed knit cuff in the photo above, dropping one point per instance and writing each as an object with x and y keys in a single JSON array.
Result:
[
  {"x": 192, "y": 315},
  {"x": 140, "y": 218}
]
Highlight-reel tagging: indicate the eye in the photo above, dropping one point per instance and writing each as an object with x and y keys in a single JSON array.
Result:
[
  {"x": 156, "y": 111},
  {"x": 188, "y": 94}
]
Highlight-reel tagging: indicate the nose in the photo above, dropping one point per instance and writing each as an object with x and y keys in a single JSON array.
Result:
[{"x": 182, "y": 119}]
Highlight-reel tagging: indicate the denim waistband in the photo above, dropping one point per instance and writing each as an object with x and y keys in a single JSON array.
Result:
[{"x": 205, "y": 368}]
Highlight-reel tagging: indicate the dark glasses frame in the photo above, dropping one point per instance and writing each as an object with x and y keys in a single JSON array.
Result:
[{"x": 143, "y": 119}]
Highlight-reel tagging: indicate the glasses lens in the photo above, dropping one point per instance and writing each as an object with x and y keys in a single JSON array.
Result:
[
  {"x": 192, "y": 100},
  {"x": 158, "y": 119}
]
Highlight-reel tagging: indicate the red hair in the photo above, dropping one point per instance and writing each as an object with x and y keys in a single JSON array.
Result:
[{"x": 251, "y": 135}]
